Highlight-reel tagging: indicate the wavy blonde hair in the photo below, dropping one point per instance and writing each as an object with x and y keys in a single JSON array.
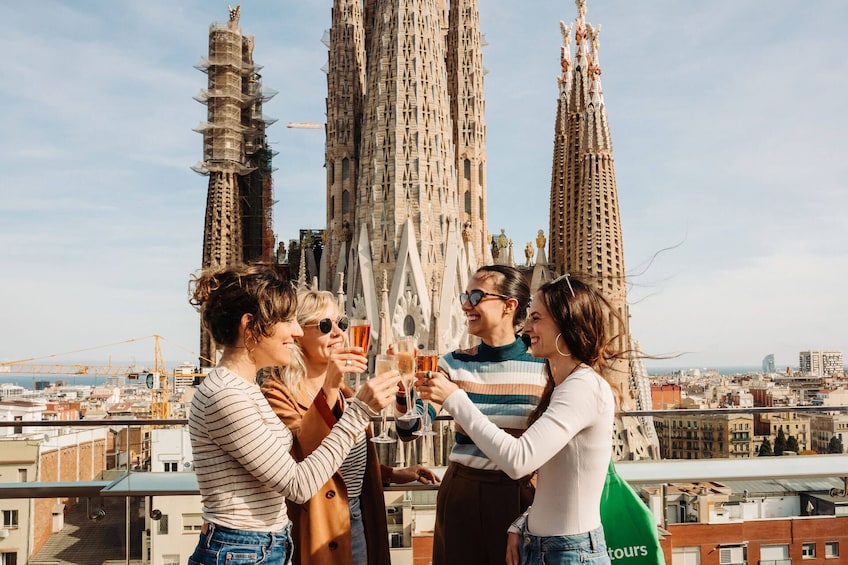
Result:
[{"x": 311, "y": 304}]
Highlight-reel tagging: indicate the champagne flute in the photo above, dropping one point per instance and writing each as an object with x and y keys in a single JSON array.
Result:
[
  {"x": 360, "y": 336},
  {"x": 382, "y": 364},
  {"x": 427, "y": 361},
  {"x": 405, "y": 349}
]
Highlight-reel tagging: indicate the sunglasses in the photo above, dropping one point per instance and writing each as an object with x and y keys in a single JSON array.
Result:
[
  {"x": 326, "y": 325},
  {"x": 476, "y": 296}
]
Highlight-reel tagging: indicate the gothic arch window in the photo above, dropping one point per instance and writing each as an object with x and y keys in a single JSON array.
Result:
[
  {"x": 333, "y": 206},
  {"x": 332, "y": 172},
  {"x": 408, "y": 325},
  {"x": 345, "y": 201},
  {"x": 345, "y": 168},
  {"x": 467, "y": 201},
  {"x": 466, "y": 169}
]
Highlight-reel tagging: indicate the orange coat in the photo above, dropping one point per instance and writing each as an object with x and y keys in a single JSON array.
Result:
[{"x": 321, "y": 526}]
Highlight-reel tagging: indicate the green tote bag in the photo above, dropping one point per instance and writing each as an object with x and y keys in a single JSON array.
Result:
[{"x": 630, "y": 528}]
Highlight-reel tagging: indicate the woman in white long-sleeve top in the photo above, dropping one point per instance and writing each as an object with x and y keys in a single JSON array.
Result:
[
  {"x": 569, "y": 439},
  {"x": 241, "y": 449}
]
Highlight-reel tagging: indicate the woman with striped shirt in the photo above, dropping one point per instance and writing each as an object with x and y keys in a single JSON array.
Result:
[
  {"x": 240, "y": 447},
  {"x": 345, "y": 522},
  {"x": 477, "y": 501}
]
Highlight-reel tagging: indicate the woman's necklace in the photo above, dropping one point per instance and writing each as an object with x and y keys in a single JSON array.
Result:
[{"x": 308, "y": 391}]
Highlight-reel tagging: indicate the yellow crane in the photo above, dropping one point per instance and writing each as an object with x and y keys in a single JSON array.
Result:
[{"x": 157, "y": 379}]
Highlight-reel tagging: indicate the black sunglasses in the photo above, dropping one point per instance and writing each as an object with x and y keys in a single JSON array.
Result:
[
  {"x": 326, "y": 325},
  {"x": 476, "y": 296}
]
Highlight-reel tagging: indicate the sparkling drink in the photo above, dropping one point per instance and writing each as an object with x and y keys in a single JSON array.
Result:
[
  {"x": 427, "y": 362},
  {"x": 382, "y": 364},
  {"x": 360, "y": 334},
  {"x": 406, "y": 363}
]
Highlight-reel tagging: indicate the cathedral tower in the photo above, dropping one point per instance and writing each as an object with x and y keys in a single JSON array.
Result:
[
  {"x": 238, "y": 225},
  {"x": 395, "y": 207},
  {"x": 468, "y": 113},
  {"x": 585, "y": 226},
  {"x": 345, "y": 99}
]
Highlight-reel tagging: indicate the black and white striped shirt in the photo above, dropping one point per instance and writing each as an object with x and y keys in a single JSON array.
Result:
[{"x": 241, "y": 454}]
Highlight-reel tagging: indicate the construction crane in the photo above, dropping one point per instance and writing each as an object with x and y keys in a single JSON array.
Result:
[
  {"x": 305, "y": 125},
  {"x": 157, "y": 379}
]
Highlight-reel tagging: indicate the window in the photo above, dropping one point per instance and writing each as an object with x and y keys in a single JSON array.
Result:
[
  {"x": 171, "y": 559},
  {"x": 686, "y": 555},
  {"x": 775, "y": 555},
  {"x": 22, "y": 475},
  {"x": 9, "y": 558},
  {"x": 171, "y": 466},
  {"x": 808, "y": 550},
  {"x": 192, "y": 523},
  {"x": 163, "y": 525},
  {"x": 831, "y": 549},
  {"x": 10, "y": 519}
]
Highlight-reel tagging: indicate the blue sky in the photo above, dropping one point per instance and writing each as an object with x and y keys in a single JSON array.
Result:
[{"x": 729, "y": 132}]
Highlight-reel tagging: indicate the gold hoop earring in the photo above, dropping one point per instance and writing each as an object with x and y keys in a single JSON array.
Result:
[{"x": 556, "y": 345}]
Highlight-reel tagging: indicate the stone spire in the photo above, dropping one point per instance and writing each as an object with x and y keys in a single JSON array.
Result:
[
  {"x": 468, "y": 113},
  {"x": 236, "y": 157},
  {"x": 345, "y": 98},
  {"x": 585, "y": 229}
]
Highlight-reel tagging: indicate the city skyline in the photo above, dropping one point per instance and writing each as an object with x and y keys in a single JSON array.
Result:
[{"x": 727, "y": 133}]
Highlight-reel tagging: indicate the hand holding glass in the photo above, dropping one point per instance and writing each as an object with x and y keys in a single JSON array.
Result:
[
  {"x": 360, "y": 336},
  {"x": 427, "y": 361},
  {"x": 384, "y": 364},
  {"x": 405, "y": 349}
]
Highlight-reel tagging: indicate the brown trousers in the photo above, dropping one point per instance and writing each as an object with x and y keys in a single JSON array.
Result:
[{"x": 474, "y": 508}]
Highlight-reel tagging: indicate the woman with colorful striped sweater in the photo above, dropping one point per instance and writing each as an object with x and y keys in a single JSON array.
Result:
[{"x": 477, "y": 500}]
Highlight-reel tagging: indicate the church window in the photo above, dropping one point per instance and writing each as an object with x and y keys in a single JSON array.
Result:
[
  {"x": 467, "y": 201},
  {"x": 345, "y": 168},
  {"x": 345, "y": 201}
]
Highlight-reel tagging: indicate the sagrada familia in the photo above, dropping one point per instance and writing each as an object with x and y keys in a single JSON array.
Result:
[{"x": 405, "y": 161}]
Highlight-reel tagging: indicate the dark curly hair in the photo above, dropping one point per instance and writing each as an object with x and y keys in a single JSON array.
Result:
[{"x": 226, "y": 294}]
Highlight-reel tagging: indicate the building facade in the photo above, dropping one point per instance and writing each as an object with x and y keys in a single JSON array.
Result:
[
  {"x": 705, "y": 436},
  {"x": 820, "y": 363}
]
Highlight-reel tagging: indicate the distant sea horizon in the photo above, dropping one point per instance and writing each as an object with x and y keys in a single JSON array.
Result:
[{"x": 28, "y": 381}]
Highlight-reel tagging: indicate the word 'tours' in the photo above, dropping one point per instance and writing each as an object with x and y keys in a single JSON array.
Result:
[{"x": 627, "y": 552}]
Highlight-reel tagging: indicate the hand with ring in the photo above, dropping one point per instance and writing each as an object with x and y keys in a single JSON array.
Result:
[
  {"x": 344, "y": 360},
  {"x": 434, "y": 386}
]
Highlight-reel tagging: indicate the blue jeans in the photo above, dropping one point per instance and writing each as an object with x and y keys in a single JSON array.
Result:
[
  {"x": 358, "y": 545},
  {"x": 577, "y": 549},
  {"x": 225, "y": 546}
]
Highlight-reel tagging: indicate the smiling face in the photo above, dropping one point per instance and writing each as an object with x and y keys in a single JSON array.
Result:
[
  {"x": 542, "y": 330},
  {"x": 492, "y": 318},
  {"x": 316, "y": 344},
  {"x": 275, "y": 350}
]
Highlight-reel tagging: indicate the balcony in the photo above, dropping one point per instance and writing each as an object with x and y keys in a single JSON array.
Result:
[{"x": 717, "y": 510}]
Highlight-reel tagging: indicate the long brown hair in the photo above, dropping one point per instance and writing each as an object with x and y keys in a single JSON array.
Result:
[{"x": 581, "y": 314}]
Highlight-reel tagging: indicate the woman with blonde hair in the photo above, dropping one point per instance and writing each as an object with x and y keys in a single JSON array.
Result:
[
  {"x": 345, "y": 522},
  {"x": 240, "y": 448},
  {"x": 569, "y": 438}
]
